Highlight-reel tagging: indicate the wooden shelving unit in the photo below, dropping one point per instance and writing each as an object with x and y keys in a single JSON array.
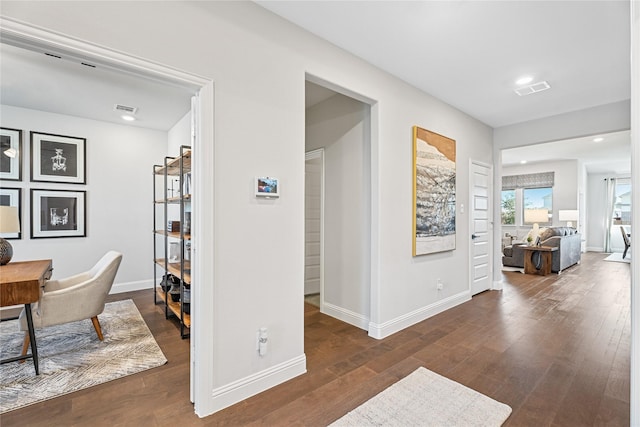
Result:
[{"x": 175, "y": 170}]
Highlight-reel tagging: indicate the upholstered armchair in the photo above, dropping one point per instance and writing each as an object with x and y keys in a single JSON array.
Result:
[
  {"x": 626, "y": 240},
  {"x": 78, "y": 297}
]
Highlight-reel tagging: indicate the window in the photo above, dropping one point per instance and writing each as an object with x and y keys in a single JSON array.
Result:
[
  {"x": 622, "y": 203},
  {"x": 508, "y": 204},
  {"x": 535, "y": 200}
]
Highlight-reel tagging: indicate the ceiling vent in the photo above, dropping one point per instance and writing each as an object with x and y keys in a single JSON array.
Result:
[
  {"x": 532, "y": 88},
  {"x": 125, "y": 109}
]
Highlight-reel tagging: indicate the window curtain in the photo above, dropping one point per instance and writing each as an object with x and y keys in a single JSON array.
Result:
[
  {"x": 530, "y": 180},
  {"x": 609, "y": 202}
]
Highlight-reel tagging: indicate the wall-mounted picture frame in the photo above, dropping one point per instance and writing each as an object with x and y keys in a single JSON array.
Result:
[
  {"x": 58, "y": 213},
  {"x": 12, "y": 197},
  {"x": 58, "y": 158},
  {"x": 434, "y": 192},
  {"x": 267, "y": 186},
  {"x": 10, "y": 154}
]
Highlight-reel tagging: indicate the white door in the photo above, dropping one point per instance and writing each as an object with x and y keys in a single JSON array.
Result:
[
  {"x": 313, "y": 222},
  {"x": 481, "y": 188}
]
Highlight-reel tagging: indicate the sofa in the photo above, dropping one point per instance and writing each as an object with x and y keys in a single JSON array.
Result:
[{"x": 566, "y": 239}]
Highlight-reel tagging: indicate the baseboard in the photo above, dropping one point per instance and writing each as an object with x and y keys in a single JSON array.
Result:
[
  {"x": 119, "y": 288},
  {"x": 390, "y": 327},
  {"x": 347, "y": 316},
  {"x": 595, "y": 249},
  {"x": 232, "y": 393}
]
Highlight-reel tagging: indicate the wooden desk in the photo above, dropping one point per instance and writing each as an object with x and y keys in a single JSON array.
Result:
[
  {"x": 537, "y": 259},
  {"x": 20, "y": 283}
]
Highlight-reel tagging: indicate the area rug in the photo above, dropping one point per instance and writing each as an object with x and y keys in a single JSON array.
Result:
[
  {"x": 617, "y": 257},
  {"x": 425, "y": 398},
  {"x": 71, "y": 357}
]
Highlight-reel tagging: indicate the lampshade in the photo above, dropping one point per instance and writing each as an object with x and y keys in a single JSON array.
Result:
[
  {"x": 536, "y": 215},
  {"x": 9, "y": 222},
  {"x": 568, "y": 215}
]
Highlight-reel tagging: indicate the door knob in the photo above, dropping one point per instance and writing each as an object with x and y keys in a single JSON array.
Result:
[{"x": 473, "y": 237}]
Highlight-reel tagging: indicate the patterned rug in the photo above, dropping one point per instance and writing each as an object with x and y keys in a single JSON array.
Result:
[
  {"x": 72, "y": 358},
  {"x": 426, "y": 398}
]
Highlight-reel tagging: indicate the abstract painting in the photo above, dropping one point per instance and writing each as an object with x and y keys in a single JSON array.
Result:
[{"x": 434, "y": 192}]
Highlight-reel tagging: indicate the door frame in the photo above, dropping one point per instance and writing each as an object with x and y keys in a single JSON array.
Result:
[
  {"x": 26, "y": 36},
  {"x": 490, "y": 219}
]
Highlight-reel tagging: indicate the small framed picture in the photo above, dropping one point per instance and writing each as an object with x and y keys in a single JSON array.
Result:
[
  {"x": 58, "y": 158},
  {"x": 10, "y": 154},
  {"x": 267, "y": 187},
  {"x": 58, "y": 213},
  {"x": 12, "y": 197}
]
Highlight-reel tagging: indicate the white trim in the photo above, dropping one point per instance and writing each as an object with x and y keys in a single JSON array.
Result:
[
  {"x": 595, "y": 249},
  {"x": 348, "y": 316},
  {"x": 236, "y": 391},
  {"x": 635, "y": 218},
  {"x": 139, "y": 285},
  {"x": 383, "y": 330}
]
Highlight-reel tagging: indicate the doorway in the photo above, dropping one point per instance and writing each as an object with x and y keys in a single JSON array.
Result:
[{"x": 339, "y": 260}]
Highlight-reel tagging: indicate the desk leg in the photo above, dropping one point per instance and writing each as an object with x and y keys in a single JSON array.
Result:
[{"x": 32, "y": 337}]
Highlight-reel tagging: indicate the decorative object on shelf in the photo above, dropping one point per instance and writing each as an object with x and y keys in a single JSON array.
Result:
[
  {"x": 175, "y": 292},
  {"x": 174, "y": 252},
  {"x": 186, "y": 303},
  {"x": 168, "y": 280},
  {"x": 267, "y": 187},
  {"x": 10, "y": 154},
  {"x": 9, "y": 223},
  {"x": 187, "y": 222},
  {"x": 12, "y": 197},
  {"x": 58, "y": 158},
  {"x": 434, "y": 192},
  {"x": 173, "y": 226},
  {"x": 568, "y": 215},
  {"x": 58, "y": 213}
]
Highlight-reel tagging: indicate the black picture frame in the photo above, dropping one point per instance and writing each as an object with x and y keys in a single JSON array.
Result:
[
  {"x": 58, "y": 213},
  {"x": 10, "y": 154},
  {"x": 58, "y": 158},
  {"x": 12, "y": 197}
]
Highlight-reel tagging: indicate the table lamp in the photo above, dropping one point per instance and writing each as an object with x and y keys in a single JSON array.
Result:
[
  {"x": 535, "y": 216},
  {"x": 9, "y": 223},
  {"x": 569, "y": 216}
]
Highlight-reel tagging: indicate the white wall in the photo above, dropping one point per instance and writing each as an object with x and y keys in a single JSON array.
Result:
[
  {"x": 340, "y": 125},
  {"x": 178, "y": 135},
  {"x": 258, "y": 62},
  {"x": 119, "y": 191}
]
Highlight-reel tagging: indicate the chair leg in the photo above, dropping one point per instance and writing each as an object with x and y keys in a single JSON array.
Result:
[
  {"x": 96, "y": 325},
  {"x": 626, "y": 248}
]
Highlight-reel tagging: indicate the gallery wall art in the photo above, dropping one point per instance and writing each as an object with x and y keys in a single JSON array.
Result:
[
  {"x": 434, "y": 192},
  {"x": 57, "y": 158},
  {"x": 10, "y": 154},
  {"x": 57, "y": 213}
]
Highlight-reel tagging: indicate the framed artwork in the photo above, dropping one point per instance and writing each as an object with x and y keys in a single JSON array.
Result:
[
  {"x": 267, "y": 187},
  {"x": 58, "y": 213},
  {"x": 58, "y": 158},
  {"x": 12, "y": 197},
  {"x": 434, "y": 192},
  {"x": 10, "y": 154}
]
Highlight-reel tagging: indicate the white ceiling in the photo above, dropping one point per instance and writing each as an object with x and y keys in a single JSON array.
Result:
[
  {"x": 466, "y": 53},
  {"x": 470, "y": 53},
  {"x": 33, "y": 80}
]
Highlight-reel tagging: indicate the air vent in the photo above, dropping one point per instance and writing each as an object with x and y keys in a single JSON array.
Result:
[
  {"x": 532, "y": 88},
  {"x": 88, "y": 65},
  {"x": 52, "y": 55},
  {"x": 125, "y": 109}
]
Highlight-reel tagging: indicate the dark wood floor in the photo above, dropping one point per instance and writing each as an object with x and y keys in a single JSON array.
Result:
[{"x": 555, "y": 348}]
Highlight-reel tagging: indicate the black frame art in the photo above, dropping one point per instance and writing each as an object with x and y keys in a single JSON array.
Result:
[
  {"x": 10, "y": 154},
  {"x": 58, "y": 158},
  {"x": 12, "y": 197},
  {"x": 58, "y": 213}
]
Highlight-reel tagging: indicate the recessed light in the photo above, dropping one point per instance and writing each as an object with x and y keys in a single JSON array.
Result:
[
  {"x": 598, "y": 139},
  {"x": 522, "y": 162},
  {"x": 128, "y": 118},
  {"x": 524, "y": 80}
]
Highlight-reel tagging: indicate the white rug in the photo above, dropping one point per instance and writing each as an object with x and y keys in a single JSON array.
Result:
[
  {"x": 425, "y": 398},
  {"x": 617, "y": 257},
  {"x": 72, "y": 358}
]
